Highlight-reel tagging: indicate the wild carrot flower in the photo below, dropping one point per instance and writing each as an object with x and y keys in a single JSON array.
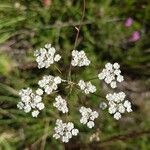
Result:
[
  {"x": 88, "y": 116},
  {"x": 49, "y": 83},
  {"x": 111, "y": 74},
  {"x": 46, "y": 56},
  {"x": 117, "y": 104},
  {"x": 31, "y": 101},
  {"x": 79, "y": 59},
  {"x": 61, "y": 104},
  {"x": 87, "y": 87},
  {"x": 64, "y": 131}
]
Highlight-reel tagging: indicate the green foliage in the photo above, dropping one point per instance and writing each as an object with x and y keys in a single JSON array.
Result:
[
  {"x": 26, "y": 25},
  {"x": 5, "y": 65}
]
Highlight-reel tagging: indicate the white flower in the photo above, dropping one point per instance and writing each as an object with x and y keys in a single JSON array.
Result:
[
  {"x": 37, "y": 98},
  {"x": 27, "y": 108},
  {"x": 31, "y": 101},
  {"x": 40, "y": 106},
  {"x": 57, "y": 58},
  {"x": 57, "y": 80},
  {"x": 117, "y": 115},
  {"x": 121, "y": 108},
  {"x": 116, "y": 65},
  {"x": 64, "y": 131},
  {"x": 113, "y": 84},
  {"x": 120, "y": 78},
  {"x": 90, "y": 124},
  {"x": 46, "y": 56},
  {"x": 103, "y": 105},
  {"x": 20, "y": 105},
  {"x": 39, "y": 91},
  {"x": 61, "y": 104},
  {"x": 79, "y": 59},
  {"x": 87, "y": 87},
  {"x": 75, "y": 132},
  {"x": 117, "y": 104},
  {"x": 127, "y": 105},
  {"x": 49, "y": 83},
  {"x": 111, "y": 74},
  {"x": 112, "y": 109},
  {"x": 83, "y": 120},
  {"x": 88, "y": 116},
  {"x": 35, "y": 113}
]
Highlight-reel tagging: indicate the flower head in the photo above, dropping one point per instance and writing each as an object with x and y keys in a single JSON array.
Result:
[
  {"x": 135, "y": 36},
  {"x": 128, "y": 22},
  {"x": 111, "y": 74},
  {"x": 31, "y": 101},
  {"x": 61, "y": 104},
  {"x": 87, "y": 87},
  {"x": 79, "y": 59},
  {"x": 64, "y": 131},
  {"x": 88, "y": 116},
  {"x": 117, "y": 104},
  {"x": 46, "y": 56},
  {"x": 49, "y": 83}
]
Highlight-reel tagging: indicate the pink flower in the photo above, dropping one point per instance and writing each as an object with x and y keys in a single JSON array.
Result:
[
  {"x": 135, "y": 36},
  {"x": 46, "y": 3},
  {"x": 128, "y": 22}
]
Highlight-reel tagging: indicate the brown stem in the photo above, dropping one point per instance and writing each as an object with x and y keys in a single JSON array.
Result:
[
  {"x": 77, "y": 36},
  {"x": 100, "y": 144},
  {"x": 78, "y": 28},
  {"x": 124, "y": 137}
]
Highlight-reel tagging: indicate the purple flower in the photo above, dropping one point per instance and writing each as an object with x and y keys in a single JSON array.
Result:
[
  {"x": 135, "y": 36},
  {"x": 128, "y": 22}
]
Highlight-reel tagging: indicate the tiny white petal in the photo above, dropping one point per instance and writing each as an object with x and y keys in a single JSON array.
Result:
[
  {"x": 57, "y": 58},
  {"x": 35, "y": 113}
]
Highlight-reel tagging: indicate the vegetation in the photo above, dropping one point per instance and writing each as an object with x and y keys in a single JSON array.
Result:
[{"x": 27, "y": 25}]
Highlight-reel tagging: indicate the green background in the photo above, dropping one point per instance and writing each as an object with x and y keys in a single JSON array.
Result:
[{"x": 27, "y": 25}]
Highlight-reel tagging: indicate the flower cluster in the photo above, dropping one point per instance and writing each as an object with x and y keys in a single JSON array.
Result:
[
  {"x": 117, "y": 104},
  {"x": 31, "y": 101},
  {"x": 64, "y": 131},
  {"x": 46, "y": 56},
  {"x": 87, "y": 87},
  {"x": 111, "y": 74},
  {"x": 61, "y": 104},
  {"x": 79, "y": 59},
  {"x": 49, "y": 83},
  {"x": 88, "y": 116}
]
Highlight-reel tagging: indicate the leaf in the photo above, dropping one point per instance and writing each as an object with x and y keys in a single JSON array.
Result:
[
  {"x": 5, "y": 65},
  {"x": 4, "y": 37},
  {"x": 10, "y": 22},
  {"x": 5, "y": 89}
]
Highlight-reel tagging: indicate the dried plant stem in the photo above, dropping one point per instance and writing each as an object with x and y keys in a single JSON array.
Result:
[
  {"x": 102, "y": 143},
  {"x": 78, "y": 28},
  {"x": 77, "y": 36},
  {"x": 125, "y": 137}
]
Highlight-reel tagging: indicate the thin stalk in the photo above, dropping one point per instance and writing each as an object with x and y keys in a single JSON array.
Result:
[{"x": 77, "y": 36}]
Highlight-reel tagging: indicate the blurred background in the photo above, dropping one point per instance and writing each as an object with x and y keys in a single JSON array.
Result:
[{"x": 111, "y": 31}]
